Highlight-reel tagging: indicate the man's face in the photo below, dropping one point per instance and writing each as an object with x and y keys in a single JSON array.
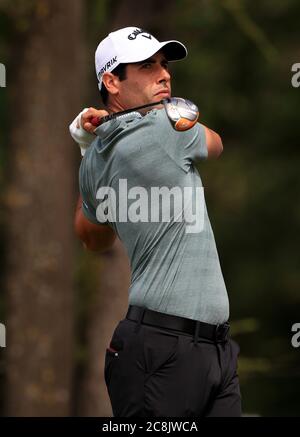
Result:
[{"x": 147, "y": 81}]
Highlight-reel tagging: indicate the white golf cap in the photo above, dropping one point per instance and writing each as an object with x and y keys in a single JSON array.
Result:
[{"x": 132, "y": 44}]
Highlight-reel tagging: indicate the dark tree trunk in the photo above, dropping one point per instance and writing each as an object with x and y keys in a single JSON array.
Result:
[{"x": 44, "y": 97}]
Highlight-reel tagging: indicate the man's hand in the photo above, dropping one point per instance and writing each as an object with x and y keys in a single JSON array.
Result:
[
  {"x": 87, "y": 116},
  {"x": 81, "y": 128}
]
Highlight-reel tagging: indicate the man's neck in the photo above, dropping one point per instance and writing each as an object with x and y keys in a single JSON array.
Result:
[{"x": 114, "y": 106}]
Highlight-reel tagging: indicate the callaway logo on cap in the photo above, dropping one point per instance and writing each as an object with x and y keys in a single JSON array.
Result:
[{"x": 132, "y": 44}]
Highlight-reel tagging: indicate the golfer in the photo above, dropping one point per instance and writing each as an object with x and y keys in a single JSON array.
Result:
[{"x": 171, "y": 355}]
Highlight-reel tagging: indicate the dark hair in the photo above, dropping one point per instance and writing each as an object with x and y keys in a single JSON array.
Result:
[{"x": 119, "y": 71}]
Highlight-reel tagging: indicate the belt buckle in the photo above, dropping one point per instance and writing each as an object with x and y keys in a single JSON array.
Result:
[{"x": 222, "y": 332}]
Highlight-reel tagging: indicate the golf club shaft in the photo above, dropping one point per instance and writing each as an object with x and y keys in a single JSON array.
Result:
[{"x": 96, "y": 121}]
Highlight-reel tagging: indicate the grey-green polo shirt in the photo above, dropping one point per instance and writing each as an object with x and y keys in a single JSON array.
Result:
[{"x": 175, "y": 268}]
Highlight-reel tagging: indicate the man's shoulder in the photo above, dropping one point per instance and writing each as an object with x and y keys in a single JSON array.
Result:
[
  {"x": 153, "y": 123},
  {"x": 90, "y": 155},
  {"x": 156, "y": 116}
]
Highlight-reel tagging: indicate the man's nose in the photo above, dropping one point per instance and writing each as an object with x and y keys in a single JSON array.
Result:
[{"x": 164, "y": 75}]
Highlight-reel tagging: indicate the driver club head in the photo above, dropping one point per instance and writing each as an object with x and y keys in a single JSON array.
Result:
[{"x": 182, "y": 113}]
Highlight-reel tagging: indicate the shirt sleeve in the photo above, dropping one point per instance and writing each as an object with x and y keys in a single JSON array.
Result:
[
  {"x": 184, "y": 147},
  {"x": 86, "y": 191}
]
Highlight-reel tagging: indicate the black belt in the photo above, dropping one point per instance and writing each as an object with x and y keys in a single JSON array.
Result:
[{"x": 216, "y": 333}]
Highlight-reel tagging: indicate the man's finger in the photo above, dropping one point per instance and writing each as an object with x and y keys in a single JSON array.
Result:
[
  {"x": 89, "y": 117},
  {"x": 88, "y": 127}
]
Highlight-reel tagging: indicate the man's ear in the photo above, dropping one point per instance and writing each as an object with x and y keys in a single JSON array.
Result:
[{"x": 111, "y": 83}]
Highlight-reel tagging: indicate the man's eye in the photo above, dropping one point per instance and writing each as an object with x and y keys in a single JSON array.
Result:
[{"x": 147, "y": 65}]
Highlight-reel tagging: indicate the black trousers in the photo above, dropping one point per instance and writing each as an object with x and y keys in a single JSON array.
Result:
[{"x": 155, "y": 372}]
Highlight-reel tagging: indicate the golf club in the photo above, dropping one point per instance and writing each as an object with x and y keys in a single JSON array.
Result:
[{"x": 182, "y": 113}]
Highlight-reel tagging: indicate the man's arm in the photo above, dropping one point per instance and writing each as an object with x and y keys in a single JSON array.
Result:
[
  {"x": 97, "y": 238},
  {"x": 214, "y": 143},
  {"x": 213, "y": 140}
]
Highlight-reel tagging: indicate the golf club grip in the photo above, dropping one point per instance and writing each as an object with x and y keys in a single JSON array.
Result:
[{"x": 96, "y": 121}]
